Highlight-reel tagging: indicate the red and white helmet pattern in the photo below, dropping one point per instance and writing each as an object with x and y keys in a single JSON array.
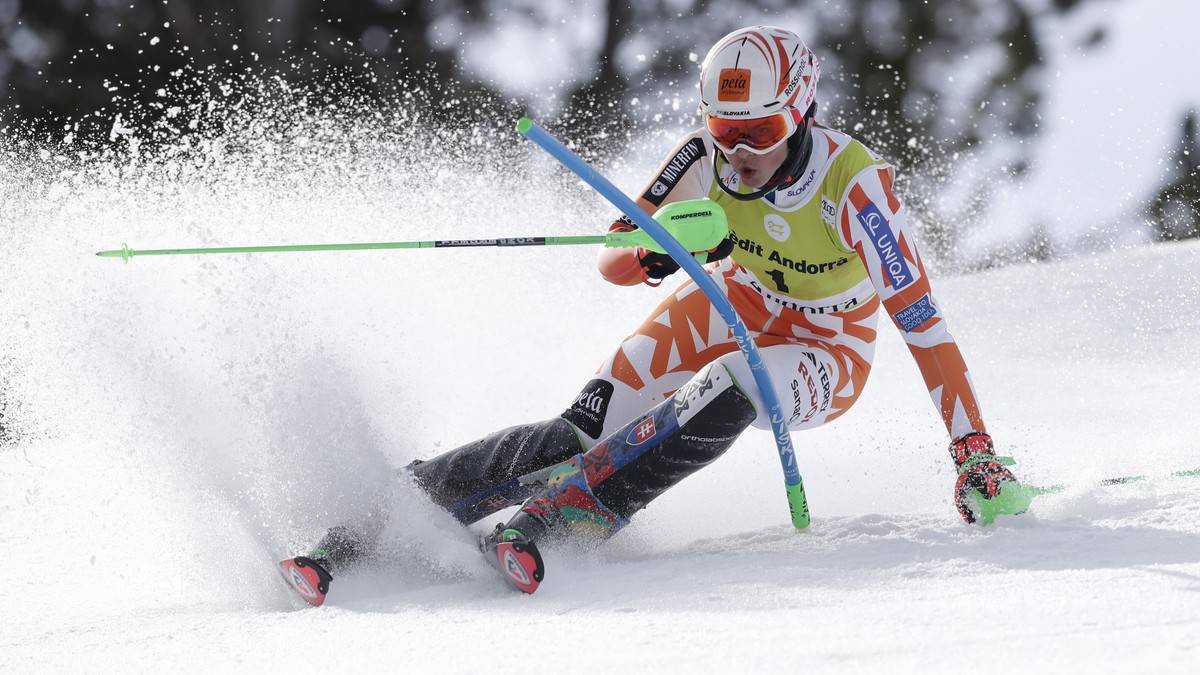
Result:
[{"x": 758, "y": 71}]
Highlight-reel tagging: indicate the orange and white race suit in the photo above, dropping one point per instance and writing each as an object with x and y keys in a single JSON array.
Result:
[{"x": 812, "y": 264}]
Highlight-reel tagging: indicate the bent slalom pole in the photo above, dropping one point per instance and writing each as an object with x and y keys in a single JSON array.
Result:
[
  {"x": 797, "y": 502},
  {"x": 699, "y": 229}
]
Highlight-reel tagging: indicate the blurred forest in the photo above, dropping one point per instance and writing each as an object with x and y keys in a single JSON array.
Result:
[{"x": 930, "y": 85}]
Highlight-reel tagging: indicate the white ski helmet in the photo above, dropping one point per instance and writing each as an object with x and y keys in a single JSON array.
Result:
[{"x": 757, "y": 71}]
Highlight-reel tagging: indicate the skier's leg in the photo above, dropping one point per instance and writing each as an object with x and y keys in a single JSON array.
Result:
[
  {"x": 595, "y": 493},
  {"x": 485, "y": 476},
  {"x": 598, "y": 491},
  {"x": 482, "y": 477},
  {"x": 605, "y": 486},
  {"x": 342, "y": 546},
  {"x": 469, "y": 481}
]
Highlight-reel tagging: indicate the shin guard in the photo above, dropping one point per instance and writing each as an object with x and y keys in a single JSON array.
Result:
[{"x": 598, "y": 491}]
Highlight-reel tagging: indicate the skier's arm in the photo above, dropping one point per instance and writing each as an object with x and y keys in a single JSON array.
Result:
[
  {"x": 872, "y": 222},
  {"x": 684, "y": 174}
]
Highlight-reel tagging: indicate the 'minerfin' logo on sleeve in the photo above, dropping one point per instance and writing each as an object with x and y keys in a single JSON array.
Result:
[
  {"x": 880, "y": 233},
  {"x": 691, "y": 152},
  {"x": 734, "y": 85}
]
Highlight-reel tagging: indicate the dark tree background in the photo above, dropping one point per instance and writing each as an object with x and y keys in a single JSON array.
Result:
[
  {"x": 949, "y": 90},
  {"x": 932, "y": 85}
]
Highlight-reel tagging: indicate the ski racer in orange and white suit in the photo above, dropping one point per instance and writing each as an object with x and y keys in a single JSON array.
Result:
[
  {"x": 810, "y": 266},
  {"x": 818, "y": 243}
]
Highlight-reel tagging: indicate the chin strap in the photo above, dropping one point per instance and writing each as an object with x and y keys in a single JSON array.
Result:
[{"x": 799, "y": 150}]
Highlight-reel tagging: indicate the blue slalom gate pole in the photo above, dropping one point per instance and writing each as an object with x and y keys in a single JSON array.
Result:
[{"x": 797, "y": 502}]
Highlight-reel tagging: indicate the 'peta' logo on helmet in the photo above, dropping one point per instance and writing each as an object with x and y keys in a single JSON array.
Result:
[{"x": 734, "y": 85}]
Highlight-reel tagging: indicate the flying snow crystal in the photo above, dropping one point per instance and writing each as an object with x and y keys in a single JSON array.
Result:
[{"x": 118, "y": 129}]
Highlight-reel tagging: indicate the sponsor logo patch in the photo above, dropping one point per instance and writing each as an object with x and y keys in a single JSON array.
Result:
[
  {"x": 734, "y": 85},
  {"x": 880, "y": 234},
  {"x": 506, "y": 241},
  {"x": 799, "y": 190},
  {"x": 803, "y": 266},
  {"x": 691, "y": 215},
  {"x": 798, "y": 398},
  {"x": 828, "y": 211},
  {"x": 795, "y": 79},
  {"x": 683, "y": 396},
  {"x": 641, "y": 432},
  {"x": 777, "y": 228},
  {"x": 799, "y": 306},
  {"x": 910, "y": 318},
  {"x": 707, "y": 439},
  {"x": 493, "y": 503},
  {"x": 590, "y": 408},
  {"x": 692, "y": 151},
  {"x": 824, "y": 377}
]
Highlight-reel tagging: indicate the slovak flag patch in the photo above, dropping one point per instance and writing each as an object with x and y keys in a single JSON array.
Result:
[{"x": 641, "y": 432}]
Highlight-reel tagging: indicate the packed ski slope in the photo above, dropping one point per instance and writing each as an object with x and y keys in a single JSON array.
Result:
[{"x": 187, "y": 422}]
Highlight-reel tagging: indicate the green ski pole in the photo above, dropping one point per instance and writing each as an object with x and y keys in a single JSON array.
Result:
[
  {"x": 1118, "y": 480},
  {"x": 699, "y": 224}
]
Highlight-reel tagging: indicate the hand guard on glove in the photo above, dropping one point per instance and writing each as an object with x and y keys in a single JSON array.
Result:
[
  {"x": 985, "y": 488},
  {"x": 660, "y": 265}
]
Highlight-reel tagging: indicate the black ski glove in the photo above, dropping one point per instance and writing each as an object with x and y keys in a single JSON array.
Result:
[{"x": 660, "y": 265}]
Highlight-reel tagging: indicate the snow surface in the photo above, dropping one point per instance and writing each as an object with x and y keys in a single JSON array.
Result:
[{"x": 187, "y": 422}]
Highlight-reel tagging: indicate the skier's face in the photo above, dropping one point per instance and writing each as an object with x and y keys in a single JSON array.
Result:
[{"x": 755, "y": 170}]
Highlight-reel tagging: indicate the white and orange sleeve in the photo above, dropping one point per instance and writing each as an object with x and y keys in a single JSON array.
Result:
[
  {"x": 686, "y": 173},
  {"x": 872, "y": 222}
]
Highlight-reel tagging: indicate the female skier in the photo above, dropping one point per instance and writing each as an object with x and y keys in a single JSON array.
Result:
[{"x": 818, "y": 243}]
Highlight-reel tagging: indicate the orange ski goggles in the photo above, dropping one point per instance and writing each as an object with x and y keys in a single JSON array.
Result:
[{"x": 759, "y": 135}]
